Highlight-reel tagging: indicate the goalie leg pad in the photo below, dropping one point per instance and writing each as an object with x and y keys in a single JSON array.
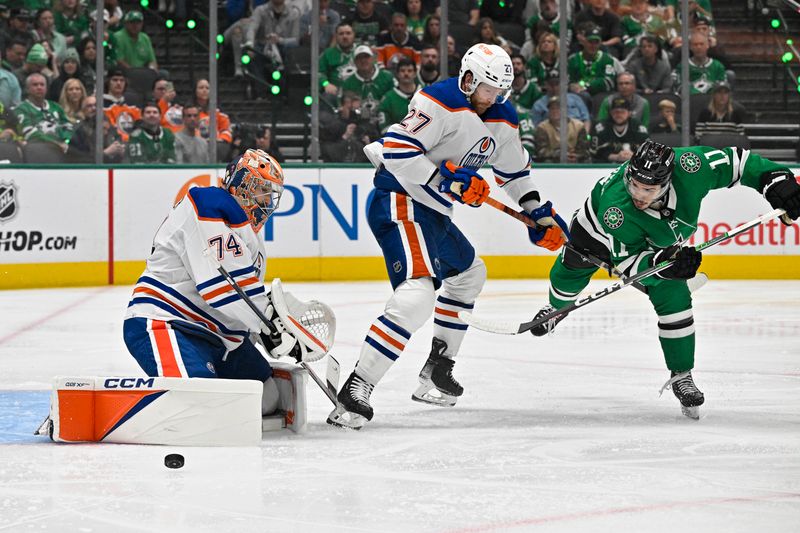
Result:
[{"x": 290, "y": 381}]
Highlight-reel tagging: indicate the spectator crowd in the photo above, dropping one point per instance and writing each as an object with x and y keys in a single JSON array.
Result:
[{"x": 623, "y": 71}]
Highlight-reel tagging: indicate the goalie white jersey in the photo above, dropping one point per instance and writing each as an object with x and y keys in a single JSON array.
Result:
[
  {"x": 181, "y": 282},
  {"x": 441, "y": 126}
]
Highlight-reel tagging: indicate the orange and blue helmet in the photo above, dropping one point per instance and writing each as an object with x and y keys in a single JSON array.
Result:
[{"x": 256, "y": 180}]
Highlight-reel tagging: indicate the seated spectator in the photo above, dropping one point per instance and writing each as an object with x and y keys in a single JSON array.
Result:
[
  {"x": 274, "y": 27},
  {"x": 415, "y": 18},
  {"x": 433, "y": 30},
  {"x": 265, "y": 141},
  {"x": 71, "y": 99},
  {"x": 366, "y": 22},
  {"x": 397, "y": 42},
  {"x": 704, "y": 71},
  {"x": 507, "y": 18},
  {"x": 720, "y": 117},
  {"x": 71, "y": 20},
  {"x": 133, "y": 46},
  {"x": 639, "y": 23},
  {"x": 44, "y": 32},
  {"x": 427, "y": 7},
  {"x": 591, "y": 71},
  {"x": 121, "y": 116},
  {"x": 336, "y": 62},
  {"x": 10, "y": 131},
  {"x": 42, "y": 120},
  {"x": 548, "y": 137},
  {"x": 87, "y": 56},
  {"x": 69, "y": 68},
  {"x": 115, "y": 15},
  {"x": 369, "y": 82},
  {"x": 394, "y": 104},
  {"x": 453, "y": 57},
  {"x": 486, "y": 34},
  {"x": 149, "y": 142},
  {"x": 544, "y": 62},
  {"x": 14, "y": 55},
  {"x": 429, "y": 66},
  {"x": 546, "y": 22},
  {"x": 652, "y": 70},
  {"x": 82, "y": 143},
  {"x": 610, "y": 30},
  {"x": 575, "y": 107},
  {"x": 523, "y": 91},
  {"x": 18, "y": 28},
  {"x": 665, "y": 122},
  {"x": 695, "y": 6},
  {"x": 329, "y": 20},
  {"x": 35, "y": 63},
  {"x": 109, "y": 46},
  {"x": 190, "y": 147},
  {"x": 224, "y": 135},
  {"x": 616, "y": 140},
  {"x": 10, "y": 91},
  {"x": 626, "y": 88},
  {"x": 345, "y": 133}
]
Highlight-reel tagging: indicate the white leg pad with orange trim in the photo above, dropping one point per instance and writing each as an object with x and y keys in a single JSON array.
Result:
[
  {"x": 145, "y": 410},
  {"x": 291, "y": 383}
]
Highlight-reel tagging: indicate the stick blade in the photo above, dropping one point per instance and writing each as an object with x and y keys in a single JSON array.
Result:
[{"x": 501, "y": 327}]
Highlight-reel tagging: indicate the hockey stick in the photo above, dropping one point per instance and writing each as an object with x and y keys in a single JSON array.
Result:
[
  {"x": 586, "y": 257},
  {"x": 326, "y": 388},
  {"x": 514, "y": 328}
]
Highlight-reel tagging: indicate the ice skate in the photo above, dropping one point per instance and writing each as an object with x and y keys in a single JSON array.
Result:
[
  {"x": 546, "y": 327},
  {"x": 354, "y": 409},
  {"x": 437, "y": 375},
  {"x": 686, "y": 392}
]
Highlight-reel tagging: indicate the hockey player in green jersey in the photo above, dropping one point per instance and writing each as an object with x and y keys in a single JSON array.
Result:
[{"x": 643, "y": 214}]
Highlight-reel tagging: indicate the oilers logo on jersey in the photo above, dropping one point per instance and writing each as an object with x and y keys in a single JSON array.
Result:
[{"x": 479, "y": 154}]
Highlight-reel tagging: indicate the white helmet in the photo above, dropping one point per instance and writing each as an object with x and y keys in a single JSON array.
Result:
[{"x": 489, "y": 64}]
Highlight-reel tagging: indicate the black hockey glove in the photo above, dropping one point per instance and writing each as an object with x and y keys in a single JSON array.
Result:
[
  {"x": 687, "y": 261},
  {"x": 782, "y": 191}
]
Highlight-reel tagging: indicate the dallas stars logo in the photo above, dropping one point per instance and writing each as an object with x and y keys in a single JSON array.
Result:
[
  {"x": 690, "y": 162},
  {"x": 613, "y": 217}
]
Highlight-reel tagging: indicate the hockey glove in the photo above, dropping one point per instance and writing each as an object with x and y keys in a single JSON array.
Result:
[
  {"x": 280, "y": 342},
  {"x": 782, "y": 191},
  {"x": 687, "y": 261},
  {"x": 463, "y": 184},
  {"x": 550, "y": 228}
]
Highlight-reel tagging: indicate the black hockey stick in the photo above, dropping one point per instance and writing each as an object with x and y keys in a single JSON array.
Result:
[
  {"x": 515, "y": 328},
  {"x": 326, "y": 388},
  {"x": 585, "y": 257}
]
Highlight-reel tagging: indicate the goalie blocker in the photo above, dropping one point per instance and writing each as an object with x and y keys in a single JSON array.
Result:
[{"x": 173, "y": 411}]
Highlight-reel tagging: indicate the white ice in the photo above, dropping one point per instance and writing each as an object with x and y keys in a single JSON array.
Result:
[{"x": 564, "y": 433}]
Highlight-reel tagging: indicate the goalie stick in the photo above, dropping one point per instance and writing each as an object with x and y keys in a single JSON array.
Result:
[
  {"x": 331, "y": 374},
  {"x": 504, "y": 327}
]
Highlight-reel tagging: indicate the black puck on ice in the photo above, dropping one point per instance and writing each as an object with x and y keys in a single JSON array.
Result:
[{"x": 173, "y": 460}]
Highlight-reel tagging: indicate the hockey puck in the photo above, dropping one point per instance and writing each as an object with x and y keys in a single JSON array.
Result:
[{"x": 173, "y": 460}]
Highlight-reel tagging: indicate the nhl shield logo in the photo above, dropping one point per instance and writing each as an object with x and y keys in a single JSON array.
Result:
[
  {"x": 397, "y": 266},
  {"x": 8, "y": 201},
  {"x": 690, "y": 162},
  {"x": 613, "y": 217}
]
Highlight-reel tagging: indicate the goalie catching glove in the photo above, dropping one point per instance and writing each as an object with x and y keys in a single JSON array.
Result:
[
  {"x": 463, "y": 184},
  {"x": 782, "y": 191},
  {"x": 550, "y": 228},
  {"x": 304, "y": 330},
  {"x": 687, "y": 261}
]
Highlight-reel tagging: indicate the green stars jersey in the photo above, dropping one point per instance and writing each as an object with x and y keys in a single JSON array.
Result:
[
  {"x": 606, "y": 140},
  {"x": 145, "y": 147},
  {"x": 370, "y": 90},
  {"x": 596, "y": 74},
  {"x": 527, "y": 130},
  {"x": 43, "y": 124},
  {"x": 702, "y": 77},
  {"x": 633, "y": 29},
  {"x": 393, "y": 108},
  {"x": 634, "y": 233},
  {"x": 526, "y": 96},
  {"x": 335, "y": 65},
  {"x": 539, "y": 72}
]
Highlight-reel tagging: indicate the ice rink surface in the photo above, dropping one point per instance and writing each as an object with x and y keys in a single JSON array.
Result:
[{"x": 563, "y": 433}]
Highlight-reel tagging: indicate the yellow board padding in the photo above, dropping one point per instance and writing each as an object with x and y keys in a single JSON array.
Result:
[
  {"x": 45, "y": 275},
  {"x": 27, "y": 276}
]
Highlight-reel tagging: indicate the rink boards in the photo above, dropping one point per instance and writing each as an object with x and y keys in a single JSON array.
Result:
[{"x": 93, "y": 226}]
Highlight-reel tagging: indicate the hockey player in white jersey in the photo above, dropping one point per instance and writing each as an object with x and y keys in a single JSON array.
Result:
[
  {"x": 424, "y": 164},
  {"x": 184, "y": 319}
]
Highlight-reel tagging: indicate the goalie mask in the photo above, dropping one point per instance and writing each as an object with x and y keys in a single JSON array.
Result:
[
  {"x": 488, "y": 64},
  {"x": 256, "y": 181}
]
